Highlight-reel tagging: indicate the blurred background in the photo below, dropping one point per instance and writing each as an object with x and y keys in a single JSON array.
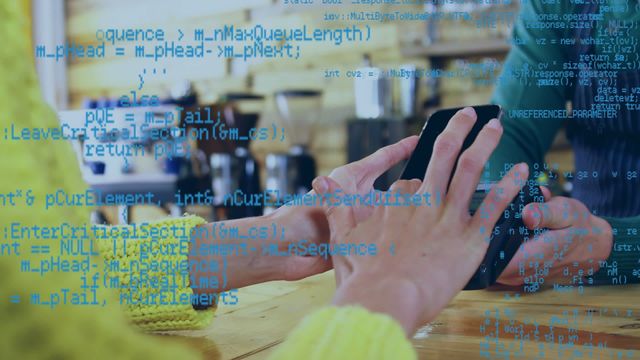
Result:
[{"x": 329, "y": 118}]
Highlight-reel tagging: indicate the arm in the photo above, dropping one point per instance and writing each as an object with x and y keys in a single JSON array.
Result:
[
  {"x": 625, "y": 253},
  {"x": 292, "y": 224},
  {"x": 217, "y": 257},
  {"x": 526, "y": 137},
  {"x": 188, "y": 275}
]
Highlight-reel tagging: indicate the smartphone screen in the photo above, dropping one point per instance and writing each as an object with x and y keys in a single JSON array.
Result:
[{"x": 416, "y": 167}]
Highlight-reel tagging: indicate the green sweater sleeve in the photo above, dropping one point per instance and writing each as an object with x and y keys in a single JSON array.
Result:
[
  {"x": 520, "y": 91},
  {"x": 623, "y": 264},
  {"x": 346, "y": 333}
]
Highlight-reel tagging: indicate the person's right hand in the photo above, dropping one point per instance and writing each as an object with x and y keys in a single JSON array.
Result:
[{"x": 437, "y": 247}]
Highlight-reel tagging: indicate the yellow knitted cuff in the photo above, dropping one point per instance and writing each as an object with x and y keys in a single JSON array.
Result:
[
  {"x": 148, "y": 264},
  {"x": 346, "y": 333}
]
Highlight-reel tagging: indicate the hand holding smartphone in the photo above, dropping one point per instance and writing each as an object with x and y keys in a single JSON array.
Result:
[
  {"x": 419, "y": 160},
  {"x": 506, "y": 236}
]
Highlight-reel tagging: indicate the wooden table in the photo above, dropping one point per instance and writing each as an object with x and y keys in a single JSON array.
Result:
[{"x": 609, "y": 316}]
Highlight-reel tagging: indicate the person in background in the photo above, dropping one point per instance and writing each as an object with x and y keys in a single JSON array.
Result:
[
  {"x": 600, "y": 221},
  {"x": 379, "y": 301}
]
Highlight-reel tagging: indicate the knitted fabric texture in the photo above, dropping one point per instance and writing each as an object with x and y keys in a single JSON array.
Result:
[
  {"x": 346, "y": 333},
  {"x": 153, "y": 274},
  {"x": 34, "y": 329}
]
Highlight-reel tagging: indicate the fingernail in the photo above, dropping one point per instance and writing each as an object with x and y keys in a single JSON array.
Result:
[
  {"x": 320, "y": 184},
  {"x": 494, "y": 124},
  {"x": 537, "y": 216},
  {"x": 469, "y": 111},
  {"x": 522, "y": 167}
]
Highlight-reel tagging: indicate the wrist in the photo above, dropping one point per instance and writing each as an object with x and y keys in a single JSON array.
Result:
[
  {"x": 269, "y": 267},
  {"x": 398, "y": 298},
  {"x": 301, "y": 222},
  {"x": 232, "y": 270}
]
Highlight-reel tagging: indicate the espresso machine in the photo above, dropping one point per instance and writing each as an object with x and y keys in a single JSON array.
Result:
[
  {"x": 236, "y": 168},
  {"x": 292, "y": 172}
]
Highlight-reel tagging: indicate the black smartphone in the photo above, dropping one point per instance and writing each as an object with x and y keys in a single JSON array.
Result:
[
  {"x": 507, "y": 235},
  {"x": 416, "y": 167}
]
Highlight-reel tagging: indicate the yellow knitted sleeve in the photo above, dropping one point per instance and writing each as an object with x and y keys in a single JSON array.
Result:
[
  {"x": 71, "y": 327},
  {"x": 346, "y": 333},
  {"x": 148, "y": 264}
]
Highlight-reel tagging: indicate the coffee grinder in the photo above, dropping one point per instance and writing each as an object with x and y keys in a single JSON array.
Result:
[
  {"x": 379, "y": 120},
  {"x": 235, "y": 175},
  {"x": 291, "y": 173}
]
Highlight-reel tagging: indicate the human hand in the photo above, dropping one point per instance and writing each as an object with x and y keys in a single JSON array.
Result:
[
  {"x": 305, "y": 222},
  {"x": 572, "y": 248},
  {"x": 298, "y": 222},
  {"x": 441, "y": 246}
]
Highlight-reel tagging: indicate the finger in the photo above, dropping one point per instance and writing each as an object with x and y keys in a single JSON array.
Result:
[
  {"x": 545, "y": 192},
  {"x": 414, "y": 185},
  {"x": 385, "y": 158},
  {"x": 557, "y": 213},
  {"x": 499, "y": 197},
  {"x": 470, "y": 166},
  {"x": 525, "y": 262},
  {"x": 511, "y": 275},
  {"x": 542, "y": 256},
  {"x": 446, "y": 149},
  {"x": 517, "y": 270},
  {"x": 341, "y": 218}
]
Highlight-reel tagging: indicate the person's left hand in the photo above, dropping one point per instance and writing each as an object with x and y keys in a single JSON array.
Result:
[
  {"x": 575, "y": 243},
  {"x": 299, "y": 222},
  {"x": 304, "y": 222}
]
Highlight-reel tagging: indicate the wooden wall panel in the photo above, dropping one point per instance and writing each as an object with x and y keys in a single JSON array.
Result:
[{"x": 213, "y": 76}]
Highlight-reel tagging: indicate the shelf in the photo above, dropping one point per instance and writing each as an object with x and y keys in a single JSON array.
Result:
[{"x": 464, "y": 48}]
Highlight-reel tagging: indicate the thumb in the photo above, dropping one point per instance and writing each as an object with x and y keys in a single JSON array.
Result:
[
  {"x": 340, "y": 217},
  {"x": 545, "y": 192}
]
